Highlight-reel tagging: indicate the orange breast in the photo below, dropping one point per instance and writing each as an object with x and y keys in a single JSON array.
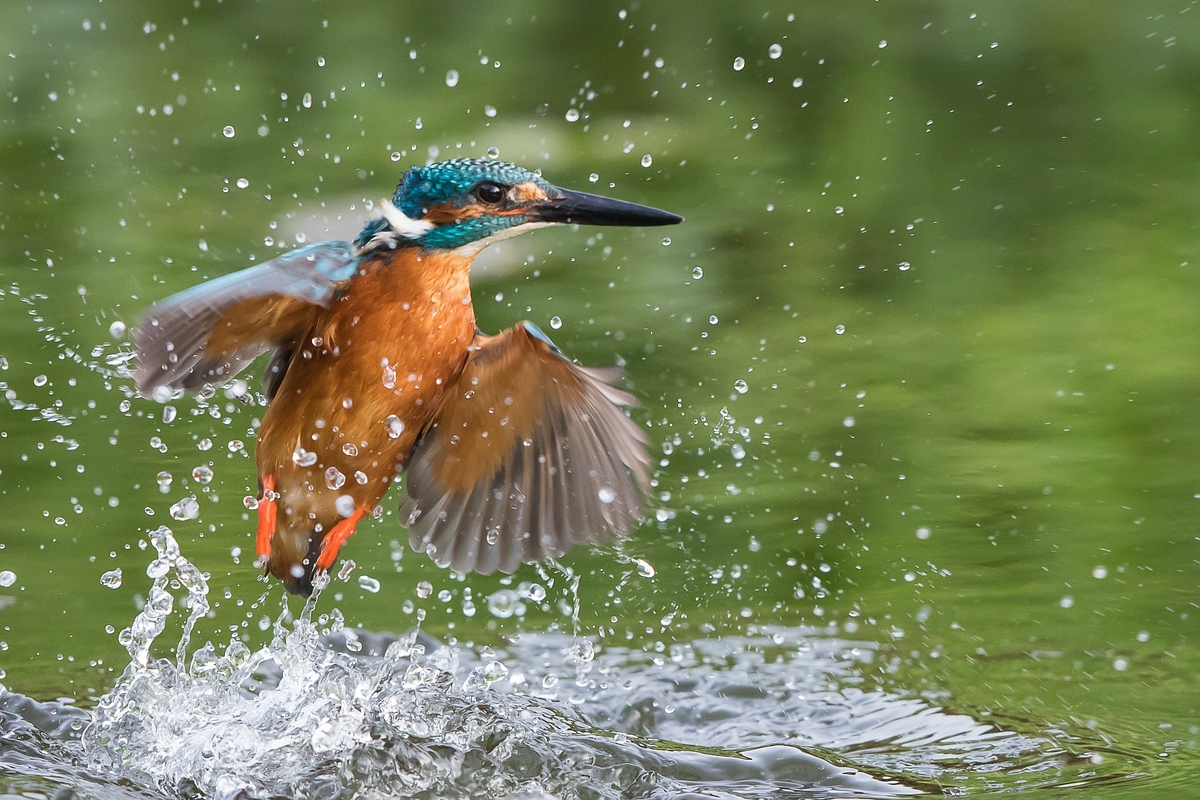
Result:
[{"x": 365, "y": 382}]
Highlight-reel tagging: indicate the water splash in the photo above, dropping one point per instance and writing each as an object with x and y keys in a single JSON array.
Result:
[
  {"x": 304, "y": 719},
  {"x": 347, "y": 713}
]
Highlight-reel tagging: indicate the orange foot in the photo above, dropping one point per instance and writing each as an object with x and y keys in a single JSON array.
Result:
[
  {"x": 267, "y": 509},
  {"x": 337, "y": 537}
]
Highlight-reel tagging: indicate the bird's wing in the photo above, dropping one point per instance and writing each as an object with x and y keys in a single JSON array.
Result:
[
  {"x": 530, "y": 455},
  {"x": 211, "y": 332}
]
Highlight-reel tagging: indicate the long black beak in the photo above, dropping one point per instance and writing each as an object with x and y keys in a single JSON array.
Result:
[{"x": 592, "y": 209}]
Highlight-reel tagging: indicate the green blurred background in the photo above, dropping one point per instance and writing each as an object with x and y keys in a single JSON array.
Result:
[{"x": 950, "y": 248}]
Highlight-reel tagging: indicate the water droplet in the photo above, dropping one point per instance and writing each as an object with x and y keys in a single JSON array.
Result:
[
  {"x": 396, "y": 155},
  {"x": 505, "y": 603},
  {"x": 802, "y": 339},
  {"x": 40, "y": 380},
  {"x": 202, "y": 474},
  {"x": 350, "y": 449},
  {"x": 797, "y": 83},
  {"x": 647, "y": 160},
  {"x": 839, "y": 330},
  {"x": 204, "y": 444},
  {"x": 490, "y": 111},
  {"x": 738, "y": 452},
  {"x": 606, "y": 495},
  {"x": 169, "y": 414},
  {"x": 740, "y": 386},
  {"x": 347, "y": 567},
  {"x": 306, "y": 101},
  {"x": 7, "y": 578},
  {"x": 775, "y": 51},
  {"x": 882, "y": 43},
  {"x": 493, "y": 152},
  {"x": 494, "y": 671},
  {"x": 424, "y": 589},
  {"x": 713, "y": 320},
  {"x": 303, "y": 458},
  {"x": 848, "y": 422},
  {"x": 344, "y": 504},
  {"x": 905, "y": 266},
  {"x": 738, "y": 63},
  {"x": 117, "y": 330},
  {"x": 394, "y": 426},
  {"x": 250, "y": 502},
  {"x": 361, "y": 478},
  {"x": 243, "y": 183},
  {"x": 185, "y": 509},
  {"x": 572, "y": 115},
  {"x": 593, "y": 177},
  {"x": 923, "y": 533},
  {"x": 556, "y": 322},
  {"x": 164, "y": 478},
  {"x": 666, "y": 241},
  {"x": 111, "y": 579},
  {"x": 237, "y": 446},
  {"x": 334, "y": 479},
  {"x": 697, "y": 273},
  {"x": 452, "y": 78},
  {"x": 1100, "y": 573},
  {"x": 582, "y": 651},
  {"x": 368, "y": 584},
  {"x": 389, "y": 377},
  {"x": 228, "y": 131},
  {"x": 1067, "y": 601},
  {"x": 155, "y": 570},
  {"x": 644, "y": 568}
]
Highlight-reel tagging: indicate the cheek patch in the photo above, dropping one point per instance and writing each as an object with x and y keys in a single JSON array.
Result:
[{"x": 446, "y": 213}]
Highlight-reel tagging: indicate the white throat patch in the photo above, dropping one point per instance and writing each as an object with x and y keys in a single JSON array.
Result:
[{"x": 473, "y": 248}]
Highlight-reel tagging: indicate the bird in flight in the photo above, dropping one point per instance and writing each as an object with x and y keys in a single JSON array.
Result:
[{"x": 513, "y": 452}]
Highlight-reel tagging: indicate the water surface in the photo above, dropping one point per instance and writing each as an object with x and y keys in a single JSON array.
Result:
[{"x": 920, "y": 370}]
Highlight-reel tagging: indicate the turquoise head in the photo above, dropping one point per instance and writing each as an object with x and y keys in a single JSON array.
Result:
[{"x": 468, "y": 202}]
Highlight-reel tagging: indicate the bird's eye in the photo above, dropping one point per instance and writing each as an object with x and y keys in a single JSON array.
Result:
[{"x": 490, "y": 193}]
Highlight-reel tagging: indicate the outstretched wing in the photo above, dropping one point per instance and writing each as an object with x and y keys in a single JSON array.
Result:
[
  {"x": 211, "y": 332},
  {"x": 530, "y": 456}
]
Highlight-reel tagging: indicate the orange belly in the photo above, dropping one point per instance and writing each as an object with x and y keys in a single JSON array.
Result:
[{"x": 360, "y": 390}]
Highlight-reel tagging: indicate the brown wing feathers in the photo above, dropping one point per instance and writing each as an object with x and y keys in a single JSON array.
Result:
[{"x": 530, "y": 455}]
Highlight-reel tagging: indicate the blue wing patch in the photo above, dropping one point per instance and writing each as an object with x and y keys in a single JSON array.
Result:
[{"x": 539, "y": 334}]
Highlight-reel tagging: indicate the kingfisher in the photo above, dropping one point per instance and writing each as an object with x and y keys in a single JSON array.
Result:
[{"x": 513, "y": 452}]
